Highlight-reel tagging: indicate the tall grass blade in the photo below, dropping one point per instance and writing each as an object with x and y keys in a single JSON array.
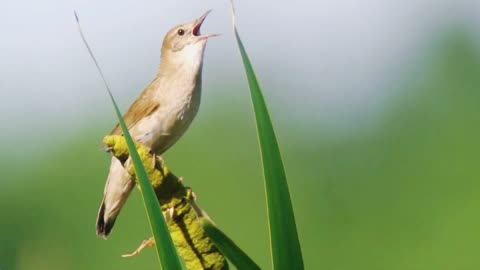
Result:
[
  {"x": 285, "y": 246},
  {"x": 166, "y": 251},
  {"x": 236, "y": 255}
]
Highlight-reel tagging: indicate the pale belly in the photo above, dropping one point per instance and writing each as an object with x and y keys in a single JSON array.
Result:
[{"x": 163, "y": 128}]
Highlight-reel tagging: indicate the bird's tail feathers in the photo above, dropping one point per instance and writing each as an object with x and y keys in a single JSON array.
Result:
[{"x": 117, "y": 189}]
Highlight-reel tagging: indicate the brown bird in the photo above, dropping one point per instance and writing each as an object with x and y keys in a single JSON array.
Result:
[{"x": 162, "y": 113}]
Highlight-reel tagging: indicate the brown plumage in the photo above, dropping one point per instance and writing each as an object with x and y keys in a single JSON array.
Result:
[{"x": 161, "y": 114}]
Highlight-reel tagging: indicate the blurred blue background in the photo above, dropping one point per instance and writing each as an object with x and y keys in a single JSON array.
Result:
[{"x": 375, "y": 104}]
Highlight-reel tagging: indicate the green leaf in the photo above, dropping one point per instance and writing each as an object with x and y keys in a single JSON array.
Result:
[
  {"x": 166, "y": 251},
  {"x": 285, "y": 246},
  {"x": 163, "y": 241},
  {"x": 238, "y": 258}
]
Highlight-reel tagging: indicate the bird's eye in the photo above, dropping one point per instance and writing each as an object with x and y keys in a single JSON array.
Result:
[{"x": 181, "y": 32}]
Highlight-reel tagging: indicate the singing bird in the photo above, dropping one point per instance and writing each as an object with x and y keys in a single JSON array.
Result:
[{"x": 162, "y": 113}]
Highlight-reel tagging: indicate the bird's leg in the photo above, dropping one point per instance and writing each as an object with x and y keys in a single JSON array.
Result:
[{"x": 154, "y": 160}]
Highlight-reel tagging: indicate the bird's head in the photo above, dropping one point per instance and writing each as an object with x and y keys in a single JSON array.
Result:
[{"x": 185, "y": 40}]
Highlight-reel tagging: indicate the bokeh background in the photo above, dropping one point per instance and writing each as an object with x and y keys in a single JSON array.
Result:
[{"x": 376, "y": 106}]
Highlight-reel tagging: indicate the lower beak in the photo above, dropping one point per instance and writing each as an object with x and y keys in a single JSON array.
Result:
[{"x": 198, "y": 24}]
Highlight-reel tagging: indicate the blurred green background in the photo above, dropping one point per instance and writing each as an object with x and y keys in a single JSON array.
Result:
[{"x": 394, "y": 187}]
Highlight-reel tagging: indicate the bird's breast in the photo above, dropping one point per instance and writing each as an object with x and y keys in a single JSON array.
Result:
[{"x": 160, "y": 130}]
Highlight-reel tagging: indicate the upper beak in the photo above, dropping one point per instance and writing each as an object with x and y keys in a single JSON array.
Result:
[{"x": 198, "y": 24}]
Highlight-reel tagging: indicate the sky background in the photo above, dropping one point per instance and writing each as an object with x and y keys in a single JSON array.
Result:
[{"x": 336, "y": 62}]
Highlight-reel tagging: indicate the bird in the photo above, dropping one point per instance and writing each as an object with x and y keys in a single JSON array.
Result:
[{"x": 161, "y": 114}]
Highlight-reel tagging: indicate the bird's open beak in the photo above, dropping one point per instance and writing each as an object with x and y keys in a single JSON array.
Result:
[{"x": 198, "y": 24}]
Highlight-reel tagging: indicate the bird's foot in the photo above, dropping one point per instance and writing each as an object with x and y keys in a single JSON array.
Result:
[{"x": 107, "y": 149}]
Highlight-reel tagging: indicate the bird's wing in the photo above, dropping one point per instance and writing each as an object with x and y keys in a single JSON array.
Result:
[{"x": 142, "y": 107}]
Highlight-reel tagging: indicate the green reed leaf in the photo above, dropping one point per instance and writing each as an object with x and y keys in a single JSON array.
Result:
[
  {"x": 236, "y": 255},
  {"x": 285, "y": 246},
  {"x": 166, "y": 251}
]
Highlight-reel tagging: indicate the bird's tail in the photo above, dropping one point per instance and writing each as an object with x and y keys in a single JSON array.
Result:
[{"x": 117, "y": 189}]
